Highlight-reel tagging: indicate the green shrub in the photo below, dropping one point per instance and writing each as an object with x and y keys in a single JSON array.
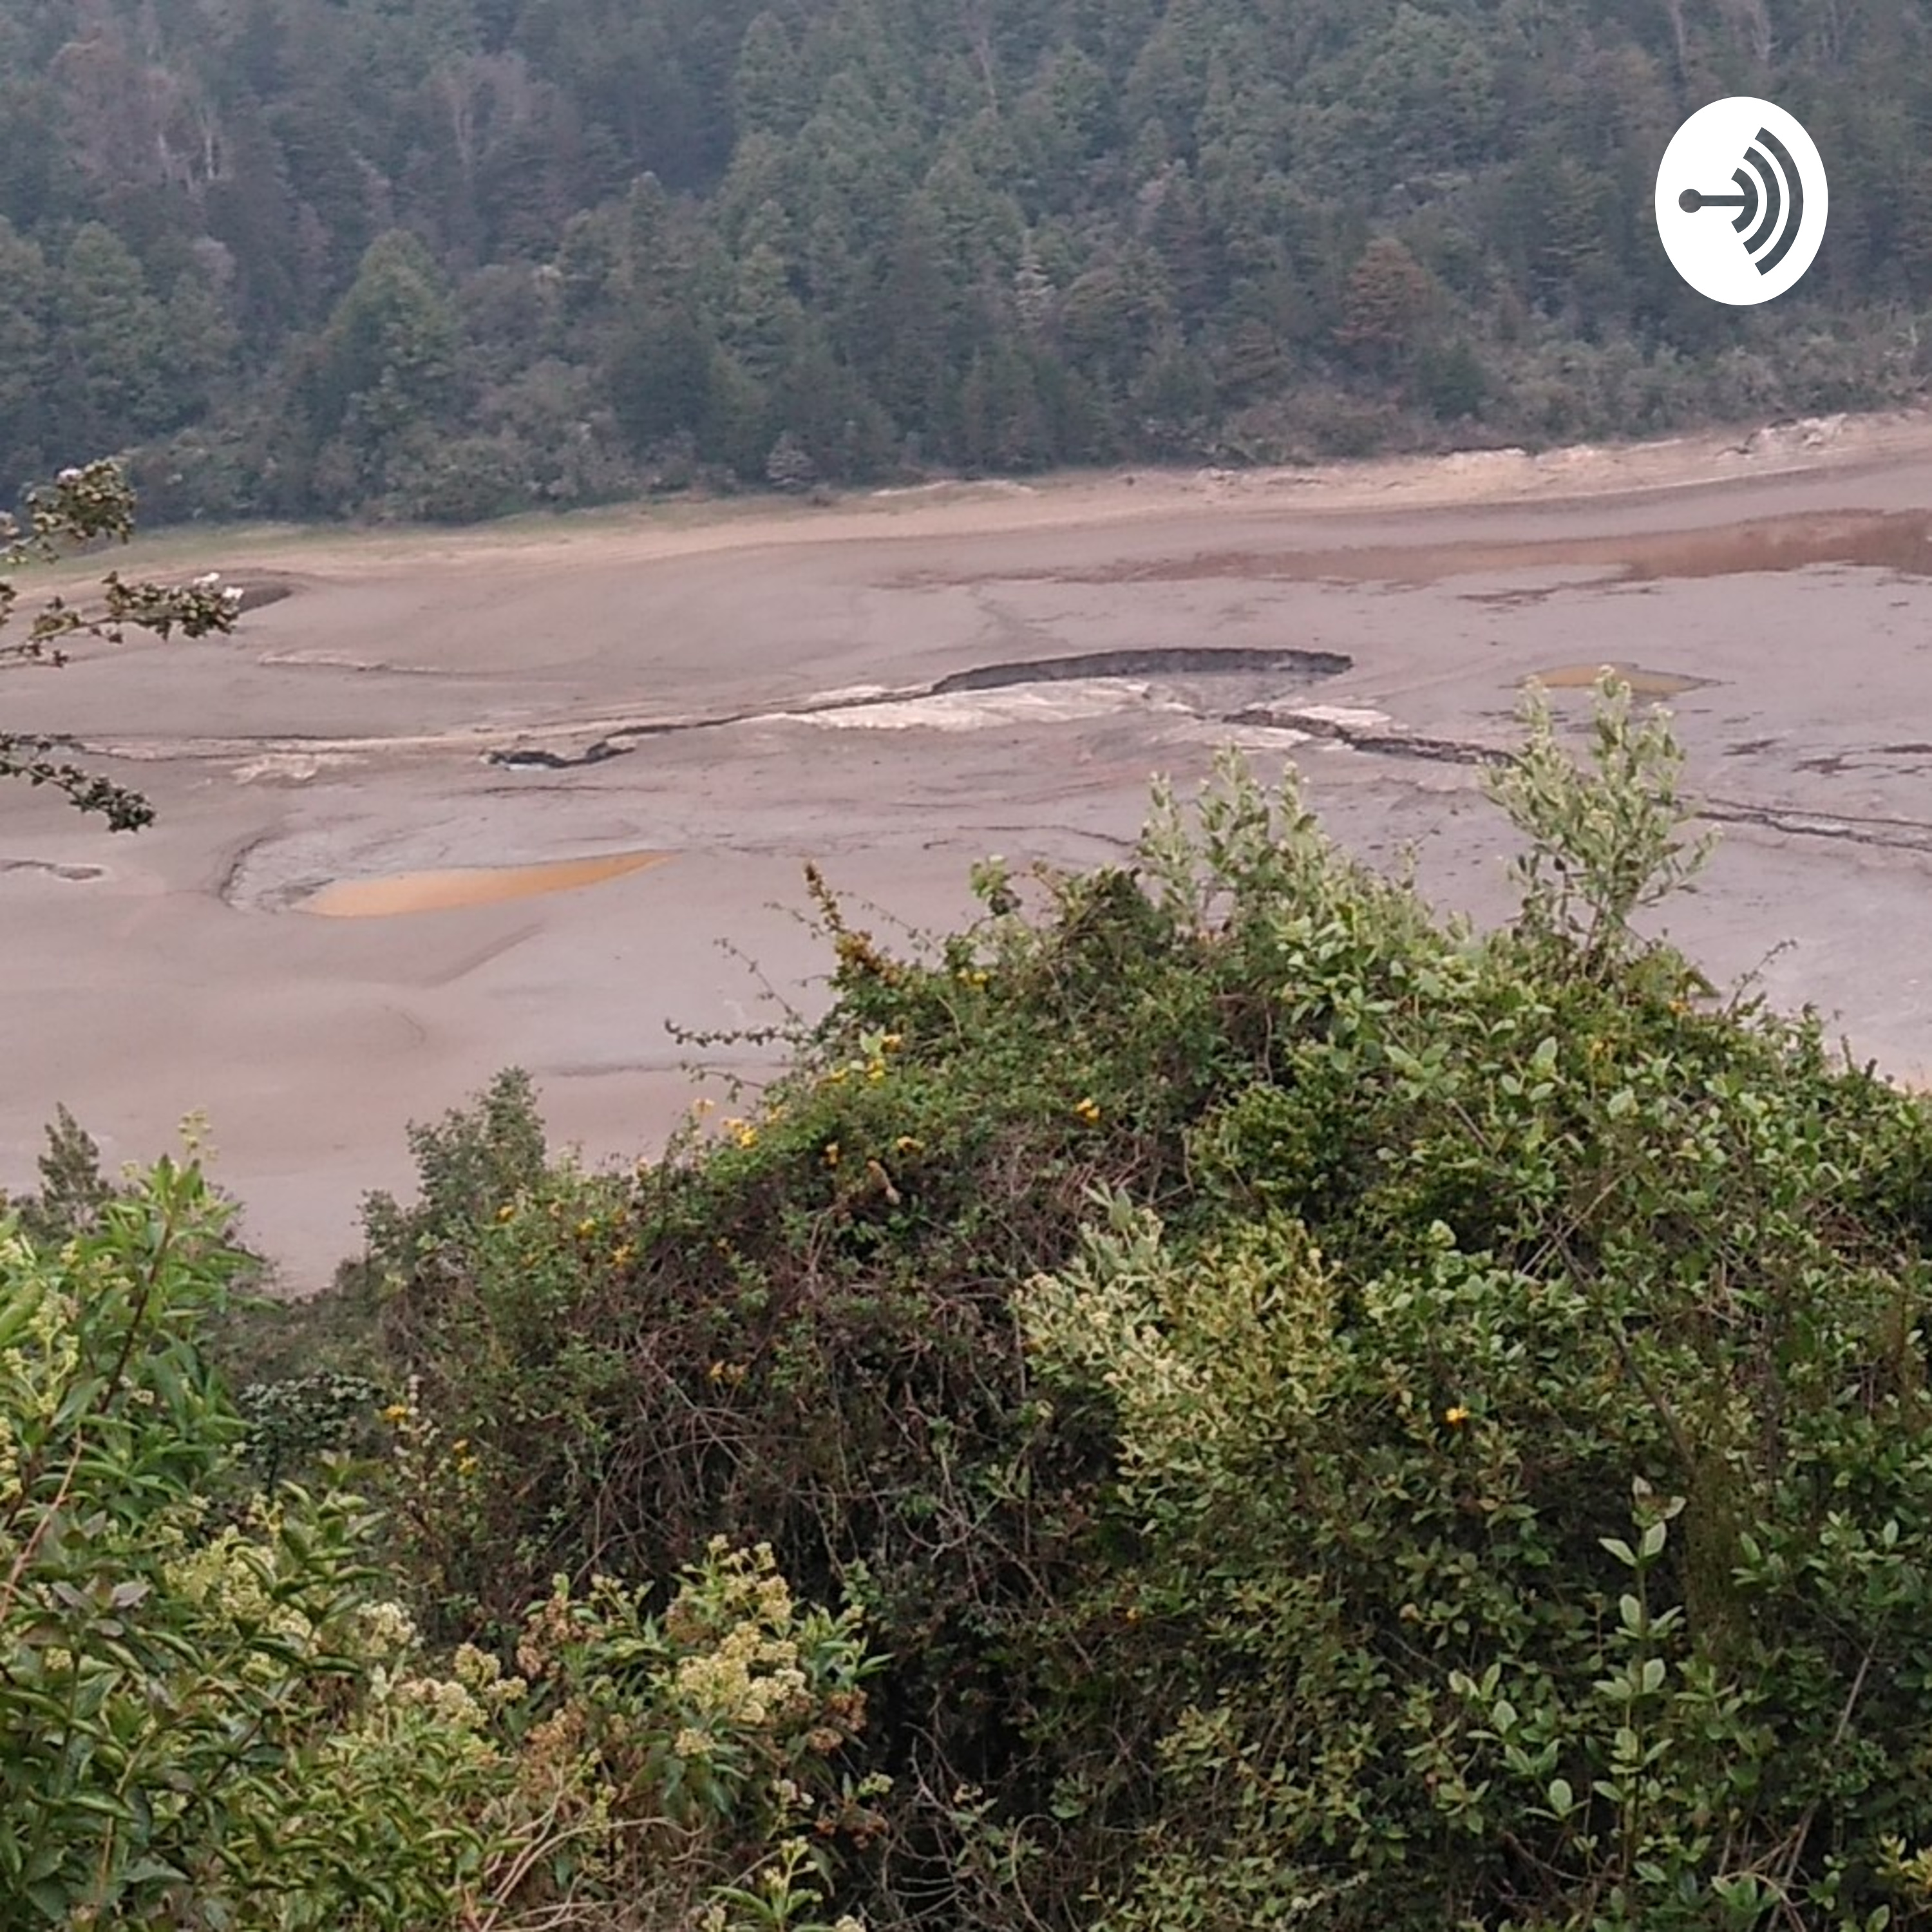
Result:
[
  {"x": 1272, "y": 1558},
  {"x": 214, "y": 1714}
]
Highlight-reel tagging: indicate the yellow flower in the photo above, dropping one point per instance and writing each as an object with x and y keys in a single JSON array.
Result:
[
  {"x": 875, "y": 1073},
  {"x": 507, "y": 1212},
  {"x": 893, "y": 1042},
  {"x": 622, "y": 1257},
  {"x": 831, "y": 1153},
  {"x": 747, "y": 1137},
  {"x": 396, "y": 1411},
  {"x": 908, "y": 1143},
  {"x": 1456, "y": 1417},
  {"x": 467, "y": 1465},
  {"x": 587, "y": 1228},
  {"x": 1088, "y": 1110}
]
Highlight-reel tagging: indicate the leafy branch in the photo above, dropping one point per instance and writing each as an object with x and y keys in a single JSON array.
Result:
[{"x": 81, "y": 507}]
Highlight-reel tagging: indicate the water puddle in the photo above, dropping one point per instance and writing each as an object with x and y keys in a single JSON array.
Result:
[
  {"x": 469, "y": 886},
  {"x": 1899, "y": 541},
  {"x": 1643, "y": 683}
]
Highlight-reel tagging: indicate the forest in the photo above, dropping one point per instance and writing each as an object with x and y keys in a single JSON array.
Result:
[{"x": 445, "y": 259}]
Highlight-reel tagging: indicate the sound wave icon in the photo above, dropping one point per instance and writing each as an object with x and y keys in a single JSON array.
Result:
[{"x": 1769, "y": 194}]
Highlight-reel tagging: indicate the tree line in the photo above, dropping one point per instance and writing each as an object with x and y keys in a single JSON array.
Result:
[{"x": 326, "y": 257}]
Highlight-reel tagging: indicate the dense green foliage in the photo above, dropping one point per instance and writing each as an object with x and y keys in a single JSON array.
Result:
[
  {"x": 214, "y": 1715},
  {"x": 1336, "y": 1419},
  {"x": 441, "y": 259}
]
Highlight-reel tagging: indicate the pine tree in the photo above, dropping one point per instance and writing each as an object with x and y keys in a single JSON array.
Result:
[
  {"x": 659, "y": 376},
  {"x": 112, "y": 345},
  {"x": 914, "y": 327},
  {"x": 768, "y": 93},
  {"x": 202, "y": 343},
  {"x": 388, "y": 357},
  {"x": 1389, "y": 295},
  {"x": 26, "y": 369},
  {"x": 765, "y": 319}
]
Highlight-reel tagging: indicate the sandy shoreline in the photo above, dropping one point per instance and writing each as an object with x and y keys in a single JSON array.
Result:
[{"x": 1066, "y": 500}]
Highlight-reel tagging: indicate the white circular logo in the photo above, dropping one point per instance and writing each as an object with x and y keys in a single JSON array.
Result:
[{"x": 1741, "y": 201}]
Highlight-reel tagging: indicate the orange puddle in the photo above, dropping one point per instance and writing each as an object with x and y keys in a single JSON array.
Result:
[
  {"x": 1643, "y": 683},
  {"x": 469, "y": 886}
]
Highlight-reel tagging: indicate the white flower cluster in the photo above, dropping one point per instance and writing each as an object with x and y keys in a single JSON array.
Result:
[
  {"x": 388, "y": 1629},
  {"x": 482, "y": 1674},
  {"x": 233, "y": 1576},
  {"x": 448, "y": 1700},
  {"x": 751, "y": 1679}
]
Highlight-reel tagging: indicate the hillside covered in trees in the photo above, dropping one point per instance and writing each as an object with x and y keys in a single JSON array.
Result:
[{"x": 443, "y": 258}]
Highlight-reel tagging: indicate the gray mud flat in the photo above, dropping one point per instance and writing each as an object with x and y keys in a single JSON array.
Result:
[{"x": 422, "y": 734}]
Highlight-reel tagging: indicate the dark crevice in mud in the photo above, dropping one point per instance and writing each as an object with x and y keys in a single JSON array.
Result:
[
  {"x": 538, "y": 760},
  {"x": 618, "y": 743},
  {"x": 1436, "y": 751},
  {"x": 1905, "y": 834},
  {"x": 231, "y": 874},
  {"x": 73, "y": 875},
  {"x": 1179, "y": 661},
  {"x": 1375, "y": 738}
]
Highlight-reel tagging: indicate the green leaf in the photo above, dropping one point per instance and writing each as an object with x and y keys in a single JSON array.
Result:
[{"x": 51, "y": 1900}]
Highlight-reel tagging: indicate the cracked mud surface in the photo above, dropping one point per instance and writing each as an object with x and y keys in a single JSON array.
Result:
[{"x": 896, "y": 690}]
